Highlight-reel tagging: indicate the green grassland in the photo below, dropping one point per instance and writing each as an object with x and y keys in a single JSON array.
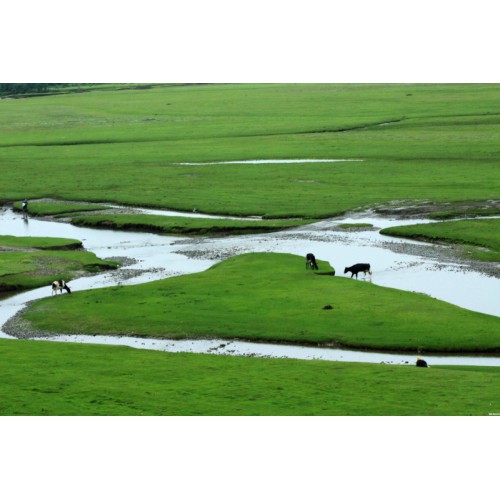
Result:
[
  {"x": 435, "y": 143},
  {"x": 271, "y": 297},
  {"x": 45, "y": 378},
  {"x": 481, "y": 237},
  {"x": 44, "y": 243},
  {"x": 418, "y": 142},
  {"x": 31, "y": 262},
  {"x": 185, "y": 225}
]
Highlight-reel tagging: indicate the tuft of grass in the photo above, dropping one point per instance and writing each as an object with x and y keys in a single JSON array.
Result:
[{"x": 353, "y": 225}]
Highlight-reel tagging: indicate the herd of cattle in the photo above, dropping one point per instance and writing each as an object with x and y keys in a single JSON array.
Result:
[
  {"x": 354, "y": 270},
  {"x": 60, "y": 285}
]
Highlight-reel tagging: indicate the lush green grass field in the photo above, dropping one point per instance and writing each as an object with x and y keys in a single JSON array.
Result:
[
  {"x": 123, "y": 146},
  {"x": 417, "y": 142},
  {"x": 483, "y": 233},
  {"x": 45, "y": 378},
  {"x": 271, "y": 297},
  {"x": 31, "y": 262}
]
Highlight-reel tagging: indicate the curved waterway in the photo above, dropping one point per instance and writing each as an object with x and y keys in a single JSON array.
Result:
[{"x": 396, "y": 263}]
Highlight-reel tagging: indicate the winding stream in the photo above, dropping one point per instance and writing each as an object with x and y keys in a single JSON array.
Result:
[{"x": 397, "y": 263}]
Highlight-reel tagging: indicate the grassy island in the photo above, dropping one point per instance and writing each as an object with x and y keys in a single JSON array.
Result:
[{"x": 30, "y": 262}]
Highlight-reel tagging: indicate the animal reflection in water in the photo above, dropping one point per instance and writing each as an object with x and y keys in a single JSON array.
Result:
[
  {"x": 59, "y": 286},
  {"x": 311, "y": 261}
]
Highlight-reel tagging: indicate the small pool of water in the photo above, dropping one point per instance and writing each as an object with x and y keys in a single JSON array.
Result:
[{"x": 266, "y": 162}]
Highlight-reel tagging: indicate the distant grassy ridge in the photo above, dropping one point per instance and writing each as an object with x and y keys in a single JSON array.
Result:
[
  {"x": 477, "y": 233},
  {"x": 30, "y": 262},
  {"x": 419, "y": 142},
  {"x": 271, "y": 297},
  {"x": 185, "y": 225},
  {"x": 45, "y": 378},
  {"x": 23, "y": 90}
]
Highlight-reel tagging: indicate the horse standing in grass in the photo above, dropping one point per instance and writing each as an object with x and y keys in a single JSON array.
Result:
[{"x": 59, "y": 286}]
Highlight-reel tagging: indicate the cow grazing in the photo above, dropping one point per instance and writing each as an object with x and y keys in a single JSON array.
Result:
[
  {"x": 358, "y": 268},
  {"x": 59, "y": 286},
  {"x": 311, "y": 261}
]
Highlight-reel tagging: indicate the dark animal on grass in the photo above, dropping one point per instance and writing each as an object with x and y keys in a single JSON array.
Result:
[
  {"x": 421, "y": 363},
  {"x": 311, "y": 261},
  {"x": 358, "y": 268},
  {"x": 59, "y": 286}
]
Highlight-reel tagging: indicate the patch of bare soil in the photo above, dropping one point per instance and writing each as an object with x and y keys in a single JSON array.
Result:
[
  {"x": 21, "y": 328},
  {"x": 17, "y": 249},
  {"x": 445, "y": 254},
  {"x": 405, "y": 210}
]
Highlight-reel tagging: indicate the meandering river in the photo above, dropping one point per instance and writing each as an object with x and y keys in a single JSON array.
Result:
[{"x": 397, "y": 263}]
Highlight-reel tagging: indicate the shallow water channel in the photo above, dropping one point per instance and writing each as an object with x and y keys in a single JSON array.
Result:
[{"x": 396, "y": 263}]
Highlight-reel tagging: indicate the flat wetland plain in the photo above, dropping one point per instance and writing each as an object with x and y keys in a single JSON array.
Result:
[
  {"x": 417, "y": 142},
  {"x": 433, "y": 144}
]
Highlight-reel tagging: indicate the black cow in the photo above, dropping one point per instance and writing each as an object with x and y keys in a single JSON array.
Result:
[
  {"x": 59, "y": 286},
  {"x": 358, "y": 268},
  {"x": 311, "y": 261}
]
